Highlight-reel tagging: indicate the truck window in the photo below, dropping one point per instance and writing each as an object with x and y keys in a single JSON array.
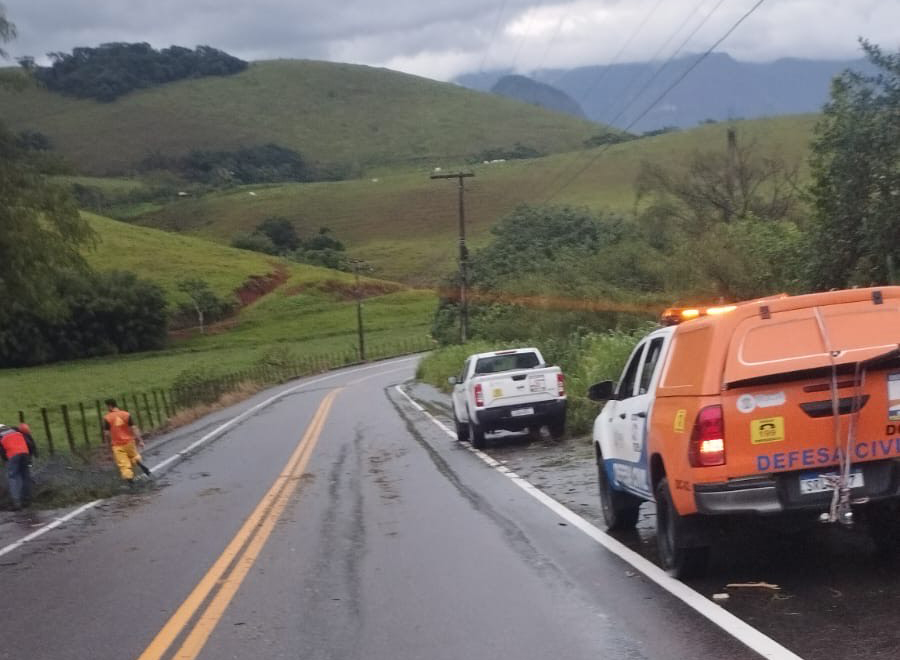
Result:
[
  {"x": 462, "y": 374},
  {"x": 496, "y": 363},
  {"x": 653, "y": 353},
  {"x": 626, "y": 387}
]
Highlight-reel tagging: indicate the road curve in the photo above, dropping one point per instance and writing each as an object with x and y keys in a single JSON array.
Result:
[{"x": 371, "y": 535}]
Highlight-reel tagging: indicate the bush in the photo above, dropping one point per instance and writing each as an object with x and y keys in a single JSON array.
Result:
[{"x": 96, "y": 314}]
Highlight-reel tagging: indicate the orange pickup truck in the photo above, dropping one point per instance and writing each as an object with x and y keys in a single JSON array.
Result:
[{"x": 774, "y": 406}]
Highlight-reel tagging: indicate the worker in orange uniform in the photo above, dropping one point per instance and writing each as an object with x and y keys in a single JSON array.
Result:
[
  {"x": 17, "y": 449},
  {"x": 123, "y": 438}
]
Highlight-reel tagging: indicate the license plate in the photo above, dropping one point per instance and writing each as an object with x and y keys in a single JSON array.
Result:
[
  {"x": 819, "y": 483},
  {"x": 521, "y": 412}
]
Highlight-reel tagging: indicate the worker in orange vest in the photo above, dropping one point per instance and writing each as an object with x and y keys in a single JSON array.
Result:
[
  {"x": 17, "y": 449},
  {"x": 123, "y": 438}
]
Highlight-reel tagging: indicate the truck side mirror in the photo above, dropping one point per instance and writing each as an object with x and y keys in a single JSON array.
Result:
[
  {"x": 603, "y": 391},
  {"x": 452, "y": 380}
]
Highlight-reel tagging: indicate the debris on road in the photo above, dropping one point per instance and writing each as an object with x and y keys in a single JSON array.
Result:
[
  {"x": 720, "y": 597},
  {"x": 753, "y": 585}
]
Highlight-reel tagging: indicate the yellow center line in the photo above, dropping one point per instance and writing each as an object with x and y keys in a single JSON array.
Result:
[{"x": 259, "y": 525}]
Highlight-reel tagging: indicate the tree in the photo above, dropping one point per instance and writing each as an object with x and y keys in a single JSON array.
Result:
[
  {"x": 855, "y": 164},
  {"x": 281, "y": 232},
  {"x": 7, "y": 31},
  {"x": 205, "y": 303},
  {"x": 703, "y": 214},
  {"x": 41, "y": 230}
]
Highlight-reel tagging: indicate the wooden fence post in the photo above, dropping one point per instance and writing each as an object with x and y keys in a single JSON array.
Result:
[
  {"x": 47, "y": 430},
  {"x": 156, "y": 405},
  {"x": 65, "y": 415},
  {"x": 99, "y": 420},
  {"x": 137, "y": 409},
  {"x": 87, "y": 442},
  {"x": 147, "y": 408}
]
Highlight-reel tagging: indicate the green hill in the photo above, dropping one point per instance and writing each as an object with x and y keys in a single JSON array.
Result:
[
  {"x": 310, "y": 312},
  {"x": 405, "y": 224},
  {"x": 331, "y": 113}
]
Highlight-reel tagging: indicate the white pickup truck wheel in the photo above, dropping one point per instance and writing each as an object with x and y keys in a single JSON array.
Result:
[
  {"x": 478, "y": 440},
  {"x": 462, "y": 431}
]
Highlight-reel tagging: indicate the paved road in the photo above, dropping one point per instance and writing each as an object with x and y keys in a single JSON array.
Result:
[{"x": 376, "y": 537}]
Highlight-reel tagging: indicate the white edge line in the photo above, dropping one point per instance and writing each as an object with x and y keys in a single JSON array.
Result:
[
  {"x": 184, "y": 453},
  {"x": 737, "y": 628}
]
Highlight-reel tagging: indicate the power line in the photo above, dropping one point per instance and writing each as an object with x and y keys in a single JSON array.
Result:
[
  {"x": 620, "y": 52},
  {"x": 665, "y": 65},
  {"x": 665, "y": 92},
  {"x": 563, "y": 169},
  {"x": 659, "y": 50},
  {"x": 487, "y": 50}
]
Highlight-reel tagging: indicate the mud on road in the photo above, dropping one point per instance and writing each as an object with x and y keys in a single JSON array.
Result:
[{"x": 838, "y": 597}]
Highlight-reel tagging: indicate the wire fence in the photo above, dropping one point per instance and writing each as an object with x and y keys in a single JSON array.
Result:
[{"x": 77, "y": 427}]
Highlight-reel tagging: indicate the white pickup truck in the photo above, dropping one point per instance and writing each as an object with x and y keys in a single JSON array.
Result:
[{"x": 508, "y": 390}]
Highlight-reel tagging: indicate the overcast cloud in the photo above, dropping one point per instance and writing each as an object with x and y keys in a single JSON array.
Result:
[{"x": 442, "y": 38}]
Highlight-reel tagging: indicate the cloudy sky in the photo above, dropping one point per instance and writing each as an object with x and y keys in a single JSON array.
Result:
[{"x": 442, "y": 38}]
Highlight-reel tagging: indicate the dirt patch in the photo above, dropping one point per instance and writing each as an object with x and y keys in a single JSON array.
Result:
[
  {"x": 345, "y": 290},
  {"x": 257, "y": 286},
  {"x": 253, "y": 288}
]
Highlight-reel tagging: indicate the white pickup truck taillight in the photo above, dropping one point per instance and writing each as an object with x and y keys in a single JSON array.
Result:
[
  {"x": 560, "y": 385},
  {"x": 479, "y": 395}
]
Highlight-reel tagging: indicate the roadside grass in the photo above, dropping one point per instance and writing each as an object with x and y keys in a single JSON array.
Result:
[
  {"x": 348, "y": 114},
  {"x": 405, "y": 224},
  {"x": 584, "y": 360}
]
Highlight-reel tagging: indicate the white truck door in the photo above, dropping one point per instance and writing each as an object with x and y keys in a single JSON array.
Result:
[
  {"x": 459, "y": 394},
  {"x": 634, "y": 474},
  {"x": 619, "y": 448}
]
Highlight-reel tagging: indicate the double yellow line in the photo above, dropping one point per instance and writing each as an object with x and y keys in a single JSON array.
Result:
[{"x": 230, "y": 569}]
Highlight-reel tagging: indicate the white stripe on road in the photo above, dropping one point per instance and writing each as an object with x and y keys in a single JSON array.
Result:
[
  {"x": 740, "y": 630},
  {"x": 181, "y": 455}
]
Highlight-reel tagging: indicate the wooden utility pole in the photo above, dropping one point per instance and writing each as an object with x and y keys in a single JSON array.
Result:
[
  {"x": 359, "y": 317},
  {"x": 463, "y": 253}
]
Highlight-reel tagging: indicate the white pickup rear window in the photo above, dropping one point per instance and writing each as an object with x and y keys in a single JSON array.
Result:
[{"x": 497, "y": 363}]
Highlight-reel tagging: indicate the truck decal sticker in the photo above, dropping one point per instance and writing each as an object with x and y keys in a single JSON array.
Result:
[
  {"x": 804, "y": 458},
  {"x": 680, "y": 416},
  {"x": 893, "y": 388},
  {"x": 747, "y": 403},
  {"x": 769, "y": 429}
]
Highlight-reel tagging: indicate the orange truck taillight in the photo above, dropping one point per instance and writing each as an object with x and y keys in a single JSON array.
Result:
[
  {"x": 707, "y": 446},
  {"x": 479, "y": 396},
  {"x": 560, "y": 385}
]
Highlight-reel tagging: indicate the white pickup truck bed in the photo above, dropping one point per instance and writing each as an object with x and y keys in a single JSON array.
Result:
[{"x": 510, "y": 390}]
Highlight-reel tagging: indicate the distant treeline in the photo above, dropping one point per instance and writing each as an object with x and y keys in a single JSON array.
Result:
[
  {"x": 112, "y": 70},
  {"x": 265, "y": 163}
]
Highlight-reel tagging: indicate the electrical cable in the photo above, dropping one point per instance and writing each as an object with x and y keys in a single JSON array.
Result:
[{"x": 661, "y": 96}]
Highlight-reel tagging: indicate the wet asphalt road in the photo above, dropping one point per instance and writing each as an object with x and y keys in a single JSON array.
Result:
[
  {"x": 837, "y": 599},
  {"x": 397, "y": 544}
]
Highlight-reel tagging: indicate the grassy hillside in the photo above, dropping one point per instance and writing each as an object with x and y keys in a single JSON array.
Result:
[
  {"x": 313, "y": 312},
  {"x": 405, "y": 224},
  {"x": 332, "y": 113}
]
